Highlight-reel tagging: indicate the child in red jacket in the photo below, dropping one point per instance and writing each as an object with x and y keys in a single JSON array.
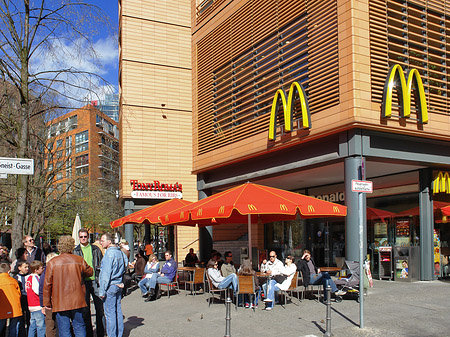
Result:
[{"x": 37, "y": 318}]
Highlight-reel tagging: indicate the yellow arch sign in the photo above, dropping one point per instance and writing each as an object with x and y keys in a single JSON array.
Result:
[
  {"x": 441, "y": 183},
  {"x": 405, "y": 91},
  {"x": 288, "y": 106}
]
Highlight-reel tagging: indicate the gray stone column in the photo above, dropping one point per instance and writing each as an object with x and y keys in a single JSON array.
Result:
[
  {"x": 426, "y": 226},
  {"x": 352, "y": 169},
  {"x": 129, "y": 230},
  {"x": 205, "y": 235}
]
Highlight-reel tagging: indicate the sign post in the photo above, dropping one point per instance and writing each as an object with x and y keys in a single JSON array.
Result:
[{"x": 361, "y": 186}]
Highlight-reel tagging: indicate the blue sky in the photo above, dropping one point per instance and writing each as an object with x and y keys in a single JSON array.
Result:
[{"x": 107, "y": 44}]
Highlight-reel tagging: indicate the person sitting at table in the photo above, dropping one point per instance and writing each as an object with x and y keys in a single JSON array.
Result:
[
  {"x": 247, "y": 270},
  {"x": 166, "y": 275},
  {"x": 273, "y": 266},
  {"x": 280, "y": 281},
  {"x": 312, "y": 275},
  {"x": 228, "y": 267},
  {"x": 139, "y": 264},
  {"x": 191, "y": 258},
  {"x": 151, "y": 268},
  {"x": 220, "y": 282}
]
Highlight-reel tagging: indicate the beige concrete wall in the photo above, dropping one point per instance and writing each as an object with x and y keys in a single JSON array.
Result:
[{"x": 155, "y": 69}]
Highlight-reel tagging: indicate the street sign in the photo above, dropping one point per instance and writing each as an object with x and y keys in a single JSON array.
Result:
[
  {"x": 16, "y": 165},
  {"x": 362, "y": 186},
  {"x": 3, "y": 176}
]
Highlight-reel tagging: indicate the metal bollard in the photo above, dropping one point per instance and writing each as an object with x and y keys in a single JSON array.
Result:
[
  {"x": 228, "y": 317},
  {"x": 328, "y": 332}
]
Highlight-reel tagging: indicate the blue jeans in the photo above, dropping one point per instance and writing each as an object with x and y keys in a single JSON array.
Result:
[
  {"x": 13, "y": 326},
  {"x": 144, "y": 284},
  {"x": 113, "y": 311},
  {"x": 325, "y": 279},
  {"x": 270, "y": 292},
  {"x": 157, "y": 278},
  {"x": 37, "y": 324},
  {"x": 63, "y": 319},
  {"x": 231, "y": 281}
]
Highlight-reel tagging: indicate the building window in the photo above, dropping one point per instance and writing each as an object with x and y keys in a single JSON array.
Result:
[
  {"x": 81, "y": 171},
  {"x": 81, "y": 147},
  {"x": 59, "y": 154},
  {"x": 50, "y": 167},
  {"x": 82, "y": 160},
  {"x": 59, "y": 143},
  {"x": 82, "y": 137},
  {"x": 59, "y": 176}
]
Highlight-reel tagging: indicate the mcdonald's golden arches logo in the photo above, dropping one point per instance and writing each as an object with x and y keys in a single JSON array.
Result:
[
  {"x": 283, "y": 207},
  {"x": 405, "y": 91},
  {"x": 251, "y": 207},
  {"x": 311, "y": 209},
  {"x": 221, "y": 210},
  {"x": 336, "y": 209},
  {"x": 288, "y": 107},
  {"x": 441, "y": 183},
  {"x": 199, "y": 212}
]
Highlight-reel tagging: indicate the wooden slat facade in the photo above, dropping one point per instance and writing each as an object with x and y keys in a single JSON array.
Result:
[{"x": 263, "y": 46}]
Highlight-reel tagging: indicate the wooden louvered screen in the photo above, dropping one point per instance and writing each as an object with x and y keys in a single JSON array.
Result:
[
  {"x": 206, "y": 7},
  {"x": 264, "y": 46},
  {"x": 414, "y": 34}
]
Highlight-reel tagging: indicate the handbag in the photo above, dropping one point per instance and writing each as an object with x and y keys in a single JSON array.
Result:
[{"x": 280, "y": 278}]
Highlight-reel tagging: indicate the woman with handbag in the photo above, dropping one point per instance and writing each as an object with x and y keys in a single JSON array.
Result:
[{"x": 280, "y": 281}]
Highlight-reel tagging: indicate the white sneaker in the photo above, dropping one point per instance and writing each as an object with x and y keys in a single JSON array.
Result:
[
  {"x": 267, "y": 300},
  {"x": 268, "y": 308},
  {"x": 340, "y": 293}
]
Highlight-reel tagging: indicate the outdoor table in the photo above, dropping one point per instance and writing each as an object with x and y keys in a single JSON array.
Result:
[
  {"x": 262, "y": 276},
  {"x": 188, "y": 270},
  {"x": 333, "y": 270}
]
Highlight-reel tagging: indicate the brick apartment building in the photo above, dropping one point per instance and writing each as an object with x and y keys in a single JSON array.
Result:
[{"x": 83, "y": 151}]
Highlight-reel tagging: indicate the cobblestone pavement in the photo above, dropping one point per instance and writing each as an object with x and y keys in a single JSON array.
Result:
[{"x": 390, "y": 309}]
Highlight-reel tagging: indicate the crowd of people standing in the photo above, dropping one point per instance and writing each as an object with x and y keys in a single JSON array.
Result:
[{"x": 36, "y": 287}]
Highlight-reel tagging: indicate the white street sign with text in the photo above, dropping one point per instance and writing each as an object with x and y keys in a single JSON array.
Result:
[{"x": 16, "y": 165}]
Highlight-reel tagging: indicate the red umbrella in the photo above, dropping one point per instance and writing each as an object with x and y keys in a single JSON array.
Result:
[
  {"x": 247, "y": 203},
  {"x": 374, "y": 213},
  {"x": 437, "y": 206},
  {"x": 446, "y": 210},
  {"x": 150, "y": 215}
]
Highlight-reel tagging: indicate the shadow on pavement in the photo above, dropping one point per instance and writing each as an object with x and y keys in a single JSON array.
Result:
[
  {"x": 318, "y": 326},
  {"x": 345, "y": 317},
  {"x": 131, "y": 323}
]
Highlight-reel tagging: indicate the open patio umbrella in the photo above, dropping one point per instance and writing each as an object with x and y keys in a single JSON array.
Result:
[
  {"x": 446, "y": 210},
  {"x": 75, "y": 229},
  {"x": 248, "y": 203},
  {"x": 437, "y": 206},
  {"x": 375, "y": 213},
  {"x": 150, "y": 215}
]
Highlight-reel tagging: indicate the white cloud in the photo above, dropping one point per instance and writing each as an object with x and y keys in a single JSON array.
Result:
[{"x": 91, "y": 64}]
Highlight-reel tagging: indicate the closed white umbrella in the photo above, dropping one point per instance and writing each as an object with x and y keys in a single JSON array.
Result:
[{"x": 76, "y": 228}]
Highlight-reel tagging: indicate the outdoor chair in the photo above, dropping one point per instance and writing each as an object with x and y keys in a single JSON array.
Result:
[
  {"x": 213, "y": 290},
  {"x": 174, "y": 285},
  {"x": 198, "y": 277},
  {"x": 292, "y": 288},
  {"x": 246, "y": 287},
  {"x": 310, "y": 287}
]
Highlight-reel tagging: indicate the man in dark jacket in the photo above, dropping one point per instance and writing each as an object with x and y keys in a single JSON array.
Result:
[
  {"x": 93, "y": 257},
  {"x": 312, "y": 275},
  {"x": 64, "y": 289},
  {"x": 33, "y": 252}
]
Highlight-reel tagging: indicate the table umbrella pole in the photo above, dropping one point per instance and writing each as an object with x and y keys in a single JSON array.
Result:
[{"x": 250, "y": 238}]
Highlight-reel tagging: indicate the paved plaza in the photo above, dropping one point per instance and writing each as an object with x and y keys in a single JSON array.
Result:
[{"x": 391, "y": 309}]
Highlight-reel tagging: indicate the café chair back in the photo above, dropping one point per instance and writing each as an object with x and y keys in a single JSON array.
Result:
[
  {"x": 197, "y": 278},
  {"x": 293, "y": 288},
  {"x": 213, "y": 290},
  {"x": 246, "y": 287}
]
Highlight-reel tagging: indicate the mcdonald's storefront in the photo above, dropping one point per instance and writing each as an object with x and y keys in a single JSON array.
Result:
[{"x": 296, "y": 104}]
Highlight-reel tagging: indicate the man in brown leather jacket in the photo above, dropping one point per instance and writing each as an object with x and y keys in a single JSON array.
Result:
[{"x": 64, "y": 289}]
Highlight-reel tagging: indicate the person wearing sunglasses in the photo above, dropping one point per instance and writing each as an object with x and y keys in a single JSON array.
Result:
[
  {"x": 34, "y": 253},
  {"x": 273, "y": 266},
  {"x": 93, "y": 257}
]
